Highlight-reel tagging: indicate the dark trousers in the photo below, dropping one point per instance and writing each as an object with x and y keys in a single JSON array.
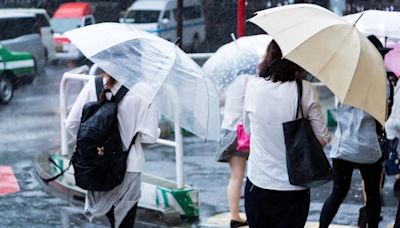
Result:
[
  {"x": 127, "y": 222},
  {"x": 397, "y": 222},
  {"x": 341, "y": 184},
  {"x": 276, "y": 209}
]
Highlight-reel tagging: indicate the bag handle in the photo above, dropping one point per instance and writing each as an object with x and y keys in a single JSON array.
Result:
[
  {"x": 299, "y": 97},
  {"x": 47, "y": 180}
]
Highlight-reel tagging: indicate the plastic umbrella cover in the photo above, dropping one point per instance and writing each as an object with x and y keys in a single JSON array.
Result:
[
  {"x": 181, "y": 91},
  {"x": 238, "y": 57},
  {"x": 380, "y": 23}
]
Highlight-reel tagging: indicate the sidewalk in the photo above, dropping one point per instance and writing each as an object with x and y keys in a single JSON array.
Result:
[{"x": 210, "y": 178}]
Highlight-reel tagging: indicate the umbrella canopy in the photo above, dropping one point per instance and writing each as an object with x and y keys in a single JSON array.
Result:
[
  {"x": 377, "y": 22},
  {"x": 392, "y": 59},
  {"x": 238, "y": 57},
  {"x": 182, "y": 92},
  {"x": 333, "y": 50}
]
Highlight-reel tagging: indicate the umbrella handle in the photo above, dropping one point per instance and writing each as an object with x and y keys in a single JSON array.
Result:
[
  {"x": 178, "y": 40},
  {"x": 234, "y": 39}
]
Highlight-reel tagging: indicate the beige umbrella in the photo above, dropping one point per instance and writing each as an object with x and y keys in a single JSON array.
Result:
[{"x": 333, "y": 50}]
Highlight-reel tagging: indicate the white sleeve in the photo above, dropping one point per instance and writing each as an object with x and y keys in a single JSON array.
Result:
[
  {"x": 247, "y": 108},
  {"x": 312, "y": 109},
  {"x": 148, "y": 130},
  {"x": 74, "y": 117}
]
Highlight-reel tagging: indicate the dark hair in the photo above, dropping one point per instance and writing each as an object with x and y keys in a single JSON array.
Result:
[{"x": 276, "y": 69}]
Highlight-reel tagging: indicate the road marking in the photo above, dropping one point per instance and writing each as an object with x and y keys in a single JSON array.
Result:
[{"x": 8, "y": 181}]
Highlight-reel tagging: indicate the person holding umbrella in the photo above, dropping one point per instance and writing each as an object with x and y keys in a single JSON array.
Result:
[
  {"x": 150, "y": 72},
  {"x": 270, "y": 100},
  {"x": 357, "y": 145},
  {"x": 134, "y": 117}
]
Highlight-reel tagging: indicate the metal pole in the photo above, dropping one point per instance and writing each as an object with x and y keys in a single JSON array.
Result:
[
  {"x": 179, "y": 156},
  {"x": 179, "y": 23},
  {"x": 241, "y": 18},
  {"x": 63, "y": 116},
  {"x": 63, "y": 103}
]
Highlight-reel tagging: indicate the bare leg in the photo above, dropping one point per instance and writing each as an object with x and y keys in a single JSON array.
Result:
[{"x": 238, "y": 166}]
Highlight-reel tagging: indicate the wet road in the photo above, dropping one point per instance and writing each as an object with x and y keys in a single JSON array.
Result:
[{"x": 30, "y": 124}]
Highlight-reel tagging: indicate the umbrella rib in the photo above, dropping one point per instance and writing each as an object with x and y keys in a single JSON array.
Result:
[{"x": 208, "y": 108}]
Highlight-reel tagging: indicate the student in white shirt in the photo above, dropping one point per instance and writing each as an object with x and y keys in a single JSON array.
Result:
[
  {"x": 270, "y": 100},
  {"x": 135, "y": 116}
]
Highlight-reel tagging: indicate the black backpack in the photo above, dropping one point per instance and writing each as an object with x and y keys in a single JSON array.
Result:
[{"x": 99, "y": 161}]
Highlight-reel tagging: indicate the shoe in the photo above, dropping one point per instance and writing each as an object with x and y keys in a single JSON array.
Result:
[
  {"x": 235, "y": 223},
  {"x": 362, "y": 218}
]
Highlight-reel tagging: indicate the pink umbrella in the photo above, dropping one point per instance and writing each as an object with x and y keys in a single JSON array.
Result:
[{"x": 392, "y": 59}]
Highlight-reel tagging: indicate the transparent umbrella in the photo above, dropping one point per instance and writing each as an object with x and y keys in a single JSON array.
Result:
[
  {"x": 182, "y": 92},
  {"x": 383, "y": 24},
  {"x": 238, "y": 57}
]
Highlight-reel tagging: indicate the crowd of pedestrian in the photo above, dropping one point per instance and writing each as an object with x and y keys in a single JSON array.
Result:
[{"x": 263, "y": 103}]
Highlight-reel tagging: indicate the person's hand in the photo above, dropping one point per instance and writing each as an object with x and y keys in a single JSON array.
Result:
[{"x": 323, "y": 143}]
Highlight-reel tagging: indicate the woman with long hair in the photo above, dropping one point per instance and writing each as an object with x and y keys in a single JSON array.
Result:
[{"x": 270, "y": 100}]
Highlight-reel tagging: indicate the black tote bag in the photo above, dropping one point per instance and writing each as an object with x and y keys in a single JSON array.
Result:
[{"x": 306, "y": 162}]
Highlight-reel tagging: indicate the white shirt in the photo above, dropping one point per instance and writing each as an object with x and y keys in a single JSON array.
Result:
[
  {"x": 267, "y": 105},
  {"x": 135, "y": 115},
  {"x": 234, "y": 98}
]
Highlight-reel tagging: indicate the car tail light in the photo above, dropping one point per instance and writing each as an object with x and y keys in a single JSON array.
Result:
[{"x": 61, "y": 40}]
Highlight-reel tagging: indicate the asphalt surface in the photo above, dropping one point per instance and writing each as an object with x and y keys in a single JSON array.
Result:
[{"x": 30, "y": 124}]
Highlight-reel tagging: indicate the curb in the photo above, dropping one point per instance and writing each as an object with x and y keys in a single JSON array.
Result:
[{"x": 75, "y": 195}]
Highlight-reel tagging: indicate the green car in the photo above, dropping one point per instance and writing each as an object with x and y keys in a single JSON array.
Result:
[{"x": 14, "y": 68}]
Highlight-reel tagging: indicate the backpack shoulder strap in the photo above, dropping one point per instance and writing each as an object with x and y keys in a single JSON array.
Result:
[
  {"x": 99, "y": 86},
  {"x": 120, "y": 94},
  {"x": 299, "y": 97},
  {"x": 133, "y": 141}
]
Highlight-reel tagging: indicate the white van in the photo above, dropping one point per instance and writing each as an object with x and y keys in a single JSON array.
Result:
[
  {"x": 46, "y": 32},
  {"x": 160, "y": 17}
]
